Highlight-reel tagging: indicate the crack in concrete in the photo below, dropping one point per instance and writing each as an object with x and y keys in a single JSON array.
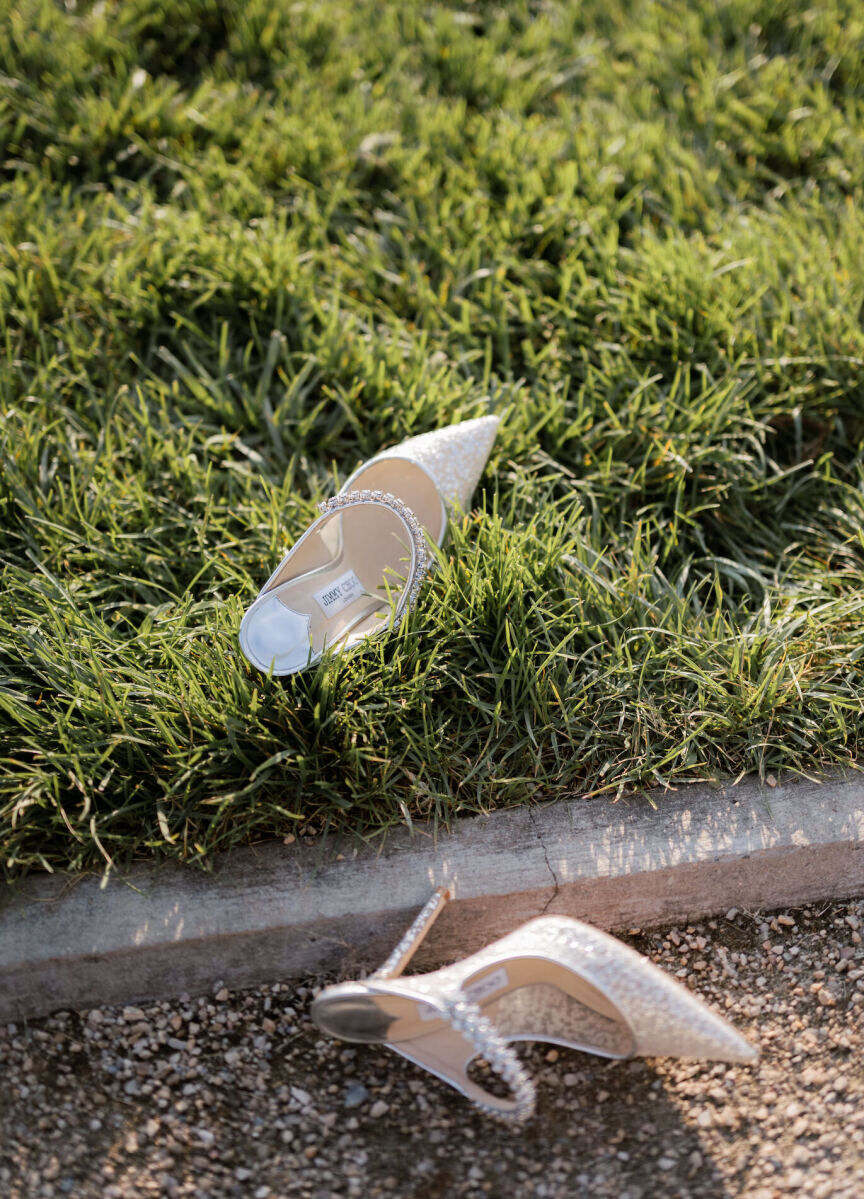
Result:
[{"x": 555, "y": 884}]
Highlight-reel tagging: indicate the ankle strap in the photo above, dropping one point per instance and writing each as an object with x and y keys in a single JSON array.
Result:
[{"x": 467, "y": 1019}]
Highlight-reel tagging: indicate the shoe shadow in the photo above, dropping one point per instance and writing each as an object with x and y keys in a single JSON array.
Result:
[{"x": 624, "y": 1129}]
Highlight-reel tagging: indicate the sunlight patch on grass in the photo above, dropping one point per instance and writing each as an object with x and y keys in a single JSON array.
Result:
[{"x": 246, "y": 245}]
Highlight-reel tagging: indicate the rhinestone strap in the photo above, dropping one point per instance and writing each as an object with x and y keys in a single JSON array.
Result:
[
  {"x": 467, "y": 1019},
  {"x": 422, "y": 557}
]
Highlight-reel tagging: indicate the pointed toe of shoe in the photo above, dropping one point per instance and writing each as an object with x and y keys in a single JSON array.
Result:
[
  {"x": 456, "y": 456},
  {"x": 451, "y": 459},
  {"x": 676, "y": 1023},
  {"x": 739, "y": 1049},
  {"x": 708, "y": 1036},
  {"x": 273, "y": 635},
  {"x": 664, "y": 1017}
]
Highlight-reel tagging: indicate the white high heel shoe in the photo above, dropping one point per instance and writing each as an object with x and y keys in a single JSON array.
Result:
[
  {"x": 554, "y": 979},
  {"x": 358, "y": 567}
]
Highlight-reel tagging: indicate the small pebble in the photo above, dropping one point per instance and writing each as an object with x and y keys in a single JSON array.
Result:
[{"x": 355, "y": 1095}]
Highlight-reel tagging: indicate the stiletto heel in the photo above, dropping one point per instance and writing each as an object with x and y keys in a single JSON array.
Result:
[
  {"x": 554, "y": 979},
  {"x": 405, "y": 950}
]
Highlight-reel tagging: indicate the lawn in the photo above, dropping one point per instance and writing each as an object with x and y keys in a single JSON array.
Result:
[{"x": 245, "y": 245}]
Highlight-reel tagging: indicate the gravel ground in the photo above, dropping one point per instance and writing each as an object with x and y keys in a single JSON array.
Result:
[{"x": 236, "y": 1095}]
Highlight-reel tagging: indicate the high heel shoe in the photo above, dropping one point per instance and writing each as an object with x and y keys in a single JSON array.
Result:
[
  {"x": 554, "y": 979},
  {"x": 357, "y": 569}
]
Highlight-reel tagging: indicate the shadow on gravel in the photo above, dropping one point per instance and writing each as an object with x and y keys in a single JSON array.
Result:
[{"x": 236, "y": 1096}]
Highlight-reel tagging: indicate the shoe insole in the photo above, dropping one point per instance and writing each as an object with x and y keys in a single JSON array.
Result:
[
  {"x": 340, "y": 584},
  {"x": 410, "y": 483},
  {"x": 526, "y": 999}
]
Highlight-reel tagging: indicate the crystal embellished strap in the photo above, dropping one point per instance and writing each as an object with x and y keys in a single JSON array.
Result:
[
  {"x": 422, "y": 559},
  {"x": 467, "y": 1019}
]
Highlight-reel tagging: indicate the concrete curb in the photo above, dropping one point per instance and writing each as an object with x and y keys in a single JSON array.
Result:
[{"x": 275, "y": 912}]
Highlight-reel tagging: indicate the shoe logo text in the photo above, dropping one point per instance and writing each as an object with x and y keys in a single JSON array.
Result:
[{"x": 339, "y": 593}]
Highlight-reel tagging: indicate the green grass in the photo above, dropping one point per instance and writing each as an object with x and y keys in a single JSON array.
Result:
[{"x": 245, "y": 245}]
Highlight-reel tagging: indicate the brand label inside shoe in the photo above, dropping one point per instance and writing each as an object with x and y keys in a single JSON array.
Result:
[
  {"x": 339, "y": 593},
  {"x": 487, "y": 986}
]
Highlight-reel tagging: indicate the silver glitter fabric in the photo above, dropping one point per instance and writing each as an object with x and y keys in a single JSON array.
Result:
[
  {"x": 454, "y": 457},
  {"x": 563, "y": 1019}
]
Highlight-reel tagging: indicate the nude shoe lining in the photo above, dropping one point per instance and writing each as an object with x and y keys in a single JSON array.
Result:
[
  {"x": 369, "y": 541},
  {"x": 418, "y": 1031},
  {"x": 411, "y": 483}
]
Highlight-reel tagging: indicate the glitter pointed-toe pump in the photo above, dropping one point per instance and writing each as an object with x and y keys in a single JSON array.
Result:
[
  {"x": 554, "y": 979},
  {"x": 357, "y": 569}
]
